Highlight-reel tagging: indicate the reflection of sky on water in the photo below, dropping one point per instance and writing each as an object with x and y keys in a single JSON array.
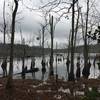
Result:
[{"x": 61, "y": 68}]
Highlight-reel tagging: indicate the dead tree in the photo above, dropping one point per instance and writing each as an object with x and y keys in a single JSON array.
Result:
[
  {"x": 85, "y": 40},
  {"x": 43, "y": 30},
  {"x": 52, "y": 36},
  {"x": 23, "y": 58},
  {"x": 77, "y": 25},
  {"x": 9, "y": 81},
  {"x": 68, "y": 55},
  {"x": 4, "y": 27},
  {"x": 71, "y": 74},
  {"x": 43, "y": 38},
  {"x": 56, "y": 65}
]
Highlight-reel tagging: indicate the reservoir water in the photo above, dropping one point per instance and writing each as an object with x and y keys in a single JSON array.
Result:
[{"x": 61, "y": 67}]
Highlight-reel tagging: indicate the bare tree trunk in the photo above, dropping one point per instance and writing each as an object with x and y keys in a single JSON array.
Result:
[
  {"x": 71, "y": 74},
  {"x": 23, "y": 63},
  {"x": 43, "y": 29},
  {"x": 76, "y": 29},
  {"x": 85, "y": 39},
  {"x": 4, "y": 27},
  {"x": 56, "y": 65},
  {"x": 69, "y": 44},
  {"x": 51, "y": 56},
  {"x": 40, "y": 42},
  {"x": 9, "y": 81},
  {"x": 68, "y": 56},
  {"x": 82, "y": 26}
]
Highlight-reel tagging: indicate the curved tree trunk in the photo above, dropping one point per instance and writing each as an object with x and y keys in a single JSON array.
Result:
[{"x": 9, "y": 81}]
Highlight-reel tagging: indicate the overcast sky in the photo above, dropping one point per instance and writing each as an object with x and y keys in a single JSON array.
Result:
[{"x": 30, "y": 22}]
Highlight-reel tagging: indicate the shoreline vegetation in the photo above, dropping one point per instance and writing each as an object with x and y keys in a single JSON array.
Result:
[{"x": 37, "y": 50}]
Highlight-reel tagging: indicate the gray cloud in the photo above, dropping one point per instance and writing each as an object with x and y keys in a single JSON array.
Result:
[{"x": 30, "y": 23}]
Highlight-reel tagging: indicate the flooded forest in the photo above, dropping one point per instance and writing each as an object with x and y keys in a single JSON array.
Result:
[{"x": 49, "y": 50}]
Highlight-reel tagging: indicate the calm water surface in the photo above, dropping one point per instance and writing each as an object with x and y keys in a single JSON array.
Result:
[{"x": 61, "y": 68}]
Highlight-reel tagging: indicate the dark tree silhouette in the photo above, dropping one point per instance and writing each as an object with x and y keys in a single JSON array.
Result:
[
  {"x": 52, "y": 36},
  {"x": 85, "y": 39},
  {"x": 9, "y": 81},
  {"x": 71, "y": 74},
  {"x": 4, "y": 27}
]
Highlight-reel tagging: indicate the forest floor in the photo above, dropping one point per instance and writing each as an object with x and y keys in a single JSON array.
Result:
[{"x": 49, "y": 90}]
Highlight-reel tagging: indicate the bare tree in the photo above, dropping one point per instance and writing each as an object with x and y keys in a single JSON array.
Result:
[
  {"x": 9, "y": 81},
  {"x": 71, "y": 74},
  {"x": 3, "y": 25},
  {"x": 52, "y": 37},
  {"x": 77, "y": 24},
  {"x": 4, "y": 21},
  {"x": 85, "y": 40},
  {"x": 44, "y": 28}
]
